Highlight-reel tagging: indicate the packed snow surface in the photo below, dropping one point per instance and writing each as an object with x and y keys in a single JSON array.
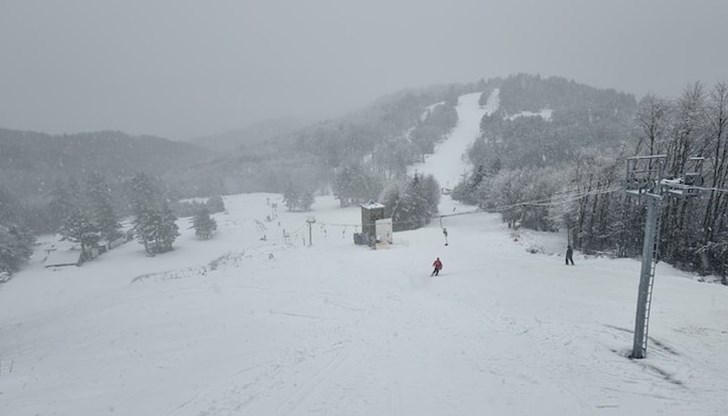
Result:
[
  {"x": 241, "y": 326},
  {"x": 448, "y": 164},
  {"x": 544, "y": 113}
]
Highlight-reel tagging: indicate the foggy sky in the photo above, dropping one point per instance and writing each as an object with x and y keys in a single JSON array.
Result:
[{"x": 180, "y": 69}]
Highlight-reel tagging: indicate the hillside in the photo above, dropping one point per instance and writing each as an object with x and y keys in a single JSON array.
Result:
[
  {"x": 30, "y": 162},
  {"x": 252, "y": 136},
  {"x": 389, "y": 134},
  {"x": 577, "y": 117},
  {"x": 237, "y": 325}
]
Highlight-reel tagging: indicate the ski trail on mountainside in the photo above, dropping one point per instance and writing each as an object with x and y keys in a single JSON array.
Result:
[{"x": 449, "y": 162}]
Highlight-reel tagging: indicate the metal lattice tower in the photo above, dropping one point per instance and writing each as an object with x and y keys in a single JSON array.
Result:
[
  {"x": 645, "y": 178},
  {"x": 647, "y": 276}
]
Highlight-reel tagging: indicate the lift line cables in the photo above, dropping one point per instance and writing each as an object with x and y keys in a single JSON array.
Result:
[{"x": 565, "y": 197}]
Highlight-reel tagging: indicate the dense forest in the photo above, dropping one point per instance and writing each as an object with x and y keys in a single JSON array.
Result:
[
  {"x": 567, "y": 172},
  {"x": 30, "y": 162},
  {"x": 380, "y": 141},
  {"x": 39, "y": 169}
]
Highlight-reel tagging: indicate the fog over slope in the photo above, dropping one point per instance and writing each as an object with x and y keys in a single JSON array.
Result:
[{"x": 184, "y": 70}]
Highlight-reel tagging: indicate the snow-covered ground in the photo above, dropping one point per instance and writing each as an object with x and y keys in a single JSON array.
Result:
[
  {"x": 448, "y": 163},
  {"x": 429, "y": 109},
  {"x": 241, "y": 326},
  {"x": 544, "y": 113}
]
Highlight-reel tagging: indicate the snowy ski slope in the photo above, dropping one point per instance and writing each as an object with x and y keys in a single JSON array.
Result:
[
  {"x": 240, "y": 326},
  {"x": 448, "y": 163}
]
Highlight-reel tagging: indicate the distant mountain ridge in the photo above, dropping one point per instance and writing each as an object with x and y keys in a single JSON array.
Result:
[
  {"x": 252, "y": 135},
  {"x": 388, "y": 135},
  {"x": 308, "y": 157},
  {"x": 30, "y": 162}
]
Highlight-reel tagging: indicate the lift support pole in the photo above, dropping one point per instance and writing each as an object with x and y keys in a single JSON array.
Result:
[{"x": 647, "y": 275}]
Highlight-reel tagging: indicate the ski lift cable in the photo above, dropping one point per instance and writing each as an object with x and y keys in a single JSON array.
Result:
[
  {"x": 564, "y": 201},
  {"x": 339, "y": 225},
  {"x": 579, "y": 196},
  {"x": 536, "y": 202},
  {"x": 549, "y": 201},
  {"x": 710, "y": 189}
]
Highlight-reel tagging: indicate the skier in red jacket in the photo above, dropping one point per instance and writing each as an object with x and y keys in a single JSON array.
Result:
[{"x": 437, "y": 265}]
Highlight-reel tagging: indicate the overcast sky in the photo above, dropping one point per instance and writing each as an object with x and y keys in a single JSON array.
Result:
[{"x": 180, "y": 69}]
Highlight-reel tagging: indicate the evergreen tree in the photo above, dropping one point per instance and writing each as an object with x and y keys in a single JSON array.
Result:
[
  {"x": 144, "y": 193},
  {"x": 216, "y": 204},
  {"x": 167, "y": 230},
  {"x": 431, "y": 193},
  {"x": 10, "y": 209},
  {"x": 355, "y": 184},
  {"x": 390, "y": 198},
  {"x": 154, "y": 224},
  {"x": 100, "y": 202},
  {"x": 305, "y": 200},
  {"x": 297, "y": 200},
  {"x": 416, "y": 209},
  {"x": 290, "y": 197},
  {"x": 466, "y": 190},
  {"x": 65, "y": 200},
  {"x": 411, "y": 204},
  {"x": 79, "y": 228},
  {"x": 16, "y": 241},
  {"x": 203, "y": 224},
  {"x": 145, "y": 228},
  {"x": 16, "y": 246},
  {"x": 343, "y": 185}
]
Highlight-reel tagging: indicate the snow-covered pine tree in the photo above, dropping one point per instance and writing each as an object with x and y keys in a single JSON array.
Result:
[
  {"x": 100, "y": 203},
  {"x": 16, "y": 241},
  {"x": 145, "y": 228},
  {"x": 343, "y": 184},
  {"x": 203, "y": 224},
  {"x": 215, "y": 204},
  {"x": 154, "y": 224},
  {"x": 65, "y": 199},
  {"x": 167, "y": 230},
  {"x": 16, "y": 246},
  {"x": 355, "y": 183},
  {"x": 290, "y": 197},
  {"x": 417, "y": 207},
  {"x": 465, "y": 191},
  {"x": 80, "y": 228},
  {"x": 411, "y": 204},
  {"x": 432, "y": 193},
  {"x": 306, "y": 199},
  {"x": 144, "y": 193},
  {"x": 390, "y": 198}
]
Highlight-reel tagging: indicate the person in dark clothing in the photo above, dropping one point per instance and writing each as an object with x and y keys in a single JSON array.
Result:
[
  {"x": 569, "y": 255},
  {"x": 437, "y": 265}
]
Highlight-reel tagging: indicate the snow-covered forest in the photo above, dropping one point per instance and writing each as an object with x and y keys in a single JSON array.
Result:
[
  {"x": 567, "y": 171},
  {"x": 551, "y": 140},
  {"x": 261, "y": 303}
]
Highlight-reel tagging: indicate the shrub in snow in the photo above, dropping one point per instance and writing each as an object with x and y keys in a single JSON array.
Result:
[
  {"x": 297, "y": 200},
  {"x": 203, "y": 224},
  {"x": 215, "y": 204}
]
